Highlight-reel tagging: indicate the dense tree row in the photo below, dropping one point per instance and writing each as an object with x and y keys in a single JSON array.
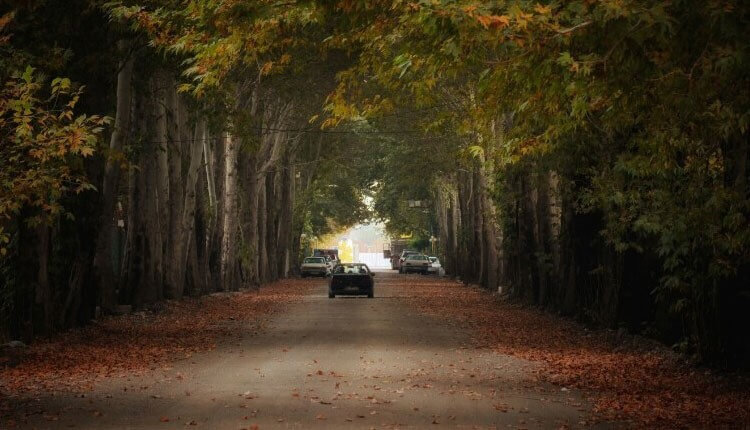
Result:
[
  {"x": 590, "y": 157},
  {"x": 171, "y": 194},
  {"x": 599, "y": 153}
]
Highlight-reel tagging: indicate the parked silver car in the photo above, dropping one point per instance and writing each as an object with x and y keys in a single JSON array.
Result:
[
  {"x": 416, "y": 263},
  {"x": 315, "y": 266},
  {"x": 405, "y": 253},
  {"x": 435, "y": 267}
]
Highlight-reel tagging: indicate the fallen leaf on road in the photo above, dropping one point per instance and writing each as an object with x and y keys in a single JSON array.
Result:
[
  {"x": 637, "y": 381},
  {"x": 76, "y": 360},
  {"x": 501, "y": 407}
]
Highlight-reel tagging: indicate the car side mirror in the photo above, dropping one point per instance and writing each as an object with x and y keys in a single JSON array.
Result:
[{"x": 373, "y": 273}]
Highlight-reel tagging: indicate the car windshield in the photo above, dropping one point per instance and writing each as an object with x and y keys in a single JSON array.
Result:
[
  {"x": 352, "y": 269},
  {"x": 433, "y": 259},
  {"x": 314, "y": 260},
  {"x": 417, "y": 257}
]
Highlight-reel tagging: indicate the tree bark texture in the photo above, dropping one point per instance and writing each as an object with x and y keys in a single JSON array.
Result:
[{"x": 105, "y": 272}]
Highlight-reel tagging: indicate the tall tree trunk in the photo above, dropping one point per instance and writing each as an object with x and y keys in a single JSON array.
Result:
[
  {"x": 466, "y": 268},
  {"x": 527, "y": 239},
  {"x": 251, "y": 215},
  {"x": 285, "y": 219},
  {"x": 217, "y": 215},
  {"x": 208, "y": 160},
  {"x": 229, "y": 223},
  {"x": 453, "y": 225},
  {"x": 479, "y": 251},
  {"x": 152, "y": 182},
  {"x": 178, "y": 242},
  {"x": 43, "y": 312},
  {"x": 161, "y": 177},
  {"x": 272, "y": 207},
  {"x": 72, "y": 301},
  {"x": 489, "y": 230},
  {"x": 105, "y": 273},
  {"x": 187, "y": 218},
  {"x": 262, "y": 227},
  {"x": 202, "y": 234}
]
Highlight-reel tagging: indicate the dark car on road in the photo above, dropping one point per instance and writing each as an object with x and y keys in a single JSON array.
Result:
[{"x": 351, "y": 279}]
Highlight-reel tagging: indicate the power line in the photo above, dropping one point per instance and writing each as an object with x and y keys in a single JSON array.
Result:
[
  {"x": 311, "y": 131},
  {"x": 266, "y": 130}
]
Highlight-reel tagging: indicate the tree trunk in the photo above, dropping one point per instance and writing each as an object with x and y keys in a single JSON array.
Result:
[
  {"x": 479, "y": 251},
  {"x": 216, "y": 217},
  {"x": 105, "y": 273},
  {"x": 161, "y": 171},
  {"x": 285, "y": 219},
  {"x": 72, "y": 302},
  {"x": 489, "y": 232},
  {"x": 453, "y": 225},
  {"x": 251, "y": 215},
  {"x": 466, "y": 268},
  {"x": 262, "y": 226},
  {"x": 187, "y": 218},
  {"x": 229, "y": 223},
  {"x": 152, "y": 182},
  {"x": 43, "y": 317},
  {"x": 177, "y": 241},
  {"x": 272, "y": 220}
]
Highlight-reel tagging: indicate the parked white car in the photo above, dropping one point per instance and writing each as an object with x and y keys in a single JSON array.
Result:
[
  {"x": 315, "y": 266},
  {"x": 405, "y": 253},
  {"x": 416, "y": 263},
  {"x": 435, "y": 267}
]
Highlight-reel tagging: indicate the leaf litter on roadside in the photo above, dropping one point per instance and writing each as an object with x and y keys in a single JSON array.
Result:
[
  {"x": 647, "y": 385},
  {"x": 143, "y": 341}
]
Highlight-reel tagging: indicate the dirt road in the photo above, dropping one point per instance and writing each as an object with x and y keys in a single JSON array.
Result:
[{"x": 329, "y": 363}]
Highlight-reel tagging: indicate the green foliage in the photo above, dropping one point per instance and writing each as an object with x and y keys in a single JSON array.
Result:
[
  {"x": 641, "y": 107},
  {"x": 421, "y": 244},
  {"x": 43, "y": 145},
  {"x": 335, "y": 202},
  {"x": 644, "y": 104}
]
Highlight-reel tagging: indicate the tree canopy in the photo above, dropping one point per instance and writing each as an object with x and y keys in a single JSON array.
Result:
[{"x": 593, "y": 155}]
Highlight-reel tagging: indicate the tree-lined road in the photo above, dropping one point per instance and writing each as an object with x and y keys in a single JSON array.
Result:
[{"x": 330, "y": 363}]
